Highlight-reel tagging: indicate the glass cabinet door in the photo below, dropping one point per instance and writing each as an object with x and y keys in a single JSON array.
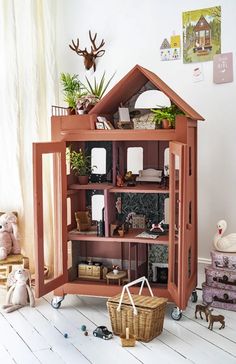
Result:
[
  {"x": 49, "y": 170},
  {"x": 176, "y": 274}
]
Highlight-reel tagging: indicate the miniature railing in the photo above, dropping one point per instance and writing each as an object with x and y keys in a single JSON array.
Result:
[{"x": 60, "y": 111}]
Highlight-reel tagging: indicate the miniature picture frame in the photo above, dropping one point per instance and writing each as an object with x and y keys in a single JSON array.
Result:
[
  {"x": 107, "y": 124},
  {"x": 100, "y": 125},
  {"x": 124, "y": 116}
]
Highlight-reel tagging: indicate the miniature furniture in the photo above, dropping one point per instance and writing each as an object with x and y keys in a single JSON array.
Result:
[
  {"x": 149, "y": 175},
  {"x": 90, "y": 271},
  {"x": 116, "y": 277},
  {"x": 7, "y": 265},
  {"x": 78, "y": 131},
  {"x": 12, "y": 260},
  {"x": 83, "y": 220}
]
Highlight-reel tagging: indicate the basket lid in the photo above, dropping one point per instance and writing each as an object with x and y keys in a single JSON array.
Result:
[{"x": 139, "y": 300}]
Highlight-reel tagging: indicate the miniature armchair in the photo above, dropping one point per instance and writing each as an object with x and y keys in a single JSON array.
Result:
[{"x": 83, "y": 220}]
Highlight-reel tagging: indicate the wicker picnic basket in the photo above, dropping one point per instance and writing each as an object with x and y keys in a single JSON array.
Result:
[{"x": 143, "y": 315}]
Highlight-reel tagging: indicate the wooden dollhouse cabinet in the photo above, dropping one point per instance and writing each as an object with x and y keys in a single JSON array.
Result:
[{"x": 71, "y": 247}]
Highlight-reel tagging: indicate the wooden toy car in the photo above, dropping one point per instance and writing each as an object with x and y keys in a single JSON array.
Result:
[{"x": 102, "y": 332}]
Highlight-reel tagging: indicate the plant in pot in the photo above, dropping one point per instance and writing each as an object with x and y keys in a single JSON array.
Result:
[
  {"x": 80, "y": 163},
  {"x": 165, "y": 116},
  {"x": 99, "y": 87},
  {"x": 85, "y": 103},
  {"x": 72, "y": 89},
  {"x": 92, "y": 94}
]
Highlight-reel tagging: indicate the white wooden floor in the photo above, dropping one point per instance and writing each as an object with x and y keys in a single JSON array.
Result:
[{"x": 36, "y": 335}]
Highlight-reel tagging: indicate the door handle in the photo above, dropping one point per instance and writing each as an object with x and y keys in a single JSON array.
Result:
[{"x": 189, "y": 226}]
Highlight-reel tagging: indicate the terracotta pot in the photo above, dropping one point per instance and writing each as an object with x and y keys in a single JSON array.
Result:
[
  {"x": 70, "y": 111},
  {"x": 83, "y": 180},
  {"x": 166, "y": 124}
]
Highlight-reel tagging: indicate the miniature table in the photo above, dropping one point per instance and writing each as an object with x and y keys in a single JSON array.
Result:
[{"x": 116, "y": 277}]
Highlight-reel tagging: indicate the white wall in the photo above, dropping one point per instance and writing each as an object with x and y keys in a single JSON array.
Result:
[{"x": 133, "y": 31}]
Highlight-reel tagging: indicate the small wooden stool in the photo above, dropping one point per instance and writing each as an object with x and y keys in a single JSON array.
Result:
[
  {"x": 116, "y": 277},
  {"x": 6, "y": 266}
]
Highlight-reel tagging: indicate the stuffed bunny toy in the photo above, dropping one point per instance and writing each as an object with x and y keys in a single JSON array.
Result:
[
  {"x": 9, "y": 239},
  {"x": 20, "y": 293}
]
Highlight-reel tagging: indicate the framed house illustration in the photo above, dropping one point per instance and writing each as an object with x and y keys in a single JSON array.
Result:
[{"x": 201, "y": 34}]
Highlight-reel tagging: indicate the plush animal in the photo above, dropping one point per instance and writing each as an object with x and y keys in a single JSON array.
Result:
[
  {"x": 224, "y": 243},
  {"x": 9, "y": 239},
  {"x": 20, "y": 293}
]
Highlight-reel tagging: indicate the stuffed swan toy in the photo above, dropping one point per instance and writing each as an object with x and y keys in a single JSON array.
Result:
[{"x": 224, "y": 243}]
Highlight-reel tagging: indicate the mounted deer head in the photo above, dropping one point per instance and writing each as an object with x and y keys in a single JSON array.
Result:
[{"x": 89, "y": 58}]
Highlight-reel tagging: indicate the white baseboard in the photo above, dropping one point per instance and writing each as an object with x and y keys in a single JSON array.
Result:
[{"x": 204, "y": 261}]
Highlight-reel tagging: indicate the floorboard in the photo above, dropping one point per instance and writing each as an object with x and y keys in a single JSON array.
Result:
[{"x": 36, "y": 335}]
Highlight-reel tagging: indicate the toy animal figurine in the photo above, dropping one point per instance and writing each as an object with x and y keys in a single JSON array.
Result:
[
  {"x": 20, "y": 293},
  {"x": 204, "y": 309},
  {"x": 9, "y": 239},
  {"x": 224, "y": 243},
  {"x": 158, "y": 226},
  {"x": 130, "y": 179},
  {"x": 119, "y": 181},
  {"x": 215, "y": 318}
]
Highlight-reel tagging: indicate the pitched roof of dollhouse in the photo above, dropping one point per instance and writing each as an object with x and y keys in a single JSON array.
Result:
[{"x": 130, "y": 84}]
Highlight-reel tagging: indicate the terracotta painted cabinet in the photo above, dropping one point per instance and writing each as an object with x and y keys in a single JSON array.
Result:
[{"x": 82, "y": 259}]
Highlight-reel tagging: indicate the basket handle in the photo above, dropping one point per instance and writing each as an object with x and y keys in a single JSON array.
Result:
[{"x": 126, "y": 287}]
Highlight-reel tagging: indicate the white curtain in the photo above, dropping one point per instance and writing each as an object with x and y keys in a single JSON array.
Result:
[{"x": 28, "y": 88}]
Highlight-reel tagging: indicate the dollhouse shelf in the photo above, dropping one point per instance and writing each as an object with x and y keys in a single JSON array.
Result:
[
  {"x": 86, "y": 287},
  {"x": 139, "y": 188},
  {"x": 91, "y": 186},
  {"x": 131, "y": 236},
  {"x": 118, "y": 135}
]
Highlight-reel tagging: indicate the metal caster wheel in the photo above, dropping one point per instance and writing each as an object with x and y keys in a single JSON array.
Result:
[
  {"x": 194, "y": 296},
  {"x": 56, "y": 302},
  {"x": 176, "y": 314}
]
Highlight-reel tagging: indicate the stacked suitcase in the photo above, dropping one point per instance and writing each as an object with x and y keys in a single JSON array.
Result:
[{"x": 220, "y": 285}]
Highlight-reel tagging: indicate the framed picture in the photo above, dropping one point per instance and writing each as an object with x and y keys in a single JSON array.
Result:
[
  {"x": 107, "y": 124},
  {"x": 100, "y": 125},
  {"x": 124, "y": 114}
]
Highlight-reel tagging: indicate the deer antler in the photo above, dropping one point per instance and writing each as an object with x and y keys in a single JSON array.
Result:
[
  {"x": 75, "y": 48},
  {"x": 89, "y": 58},
  {"x": 95, "y": 50}
]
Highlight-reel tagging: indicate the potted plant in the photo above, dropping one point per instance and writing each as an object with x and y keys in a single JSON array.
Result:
[
  {"x": 91, "y": 94},
  {"x": 80, "y": 163},
  {"x": 85, "y": 103},
  {"x": 165, "y": 116},
  {"x": 99, "y": 87},
  {"x": 72, "y": 89}
]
